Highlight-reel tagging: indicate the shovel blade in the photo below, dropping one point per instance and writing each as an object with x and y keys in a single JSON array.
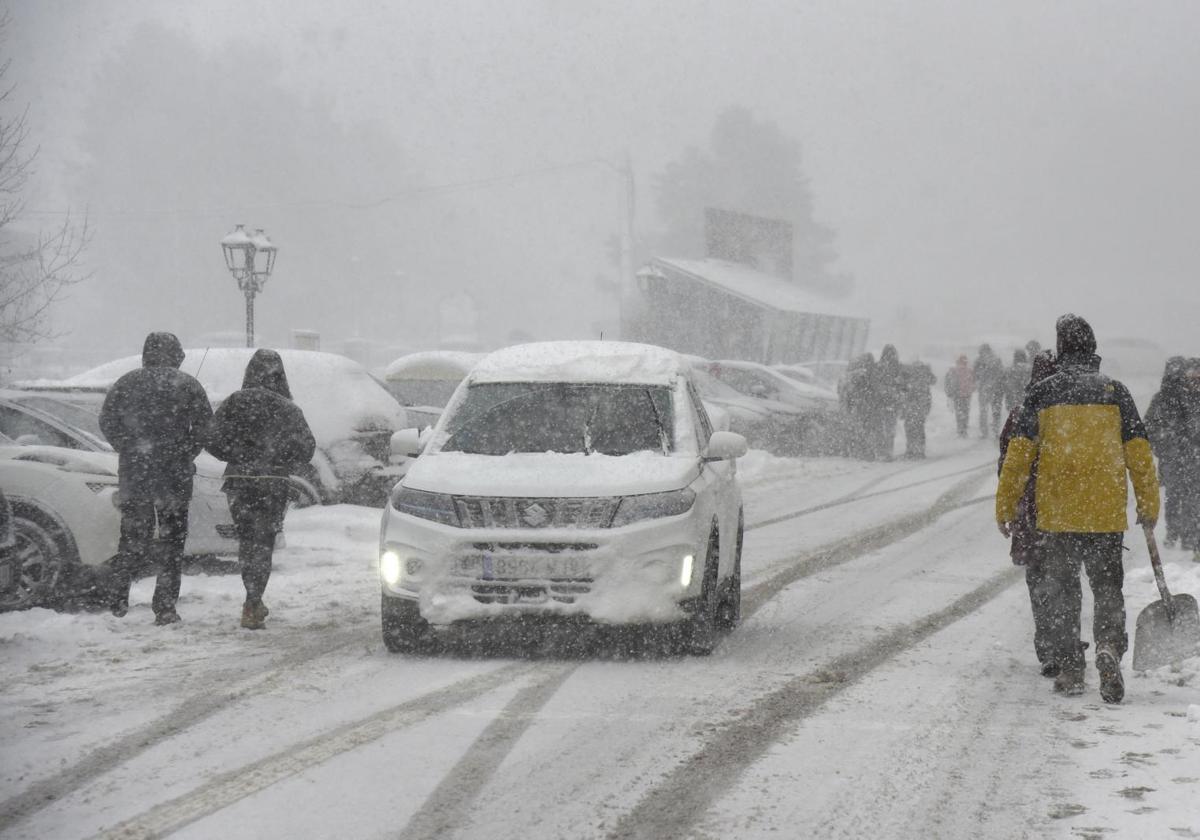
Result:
[{"x": 1159, "y": 640}]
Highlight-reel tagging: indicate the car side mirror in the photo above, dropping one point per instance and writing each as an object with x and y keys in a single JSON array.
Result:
[
  {"x": 406, "y": 443},
  {"x": 725, "y": 446}
]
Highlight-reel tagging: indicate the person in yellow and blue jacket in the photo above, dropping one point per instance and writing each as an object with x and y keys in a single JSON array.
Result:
[{"x": 1086, "y": 435}]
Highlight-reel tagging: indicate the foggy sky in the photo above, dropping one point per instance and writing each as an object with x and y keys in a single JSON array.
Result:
[{"x": 986, "y": 166}]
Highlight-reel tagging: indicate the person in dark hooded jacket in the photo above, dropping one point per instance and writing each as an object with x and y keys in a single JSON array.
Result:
[
  {"x": 264, "y": 438},
  {"x": 916, "y": 402},
  {"x": 155, "y": 418},
  {"x": 885, "y": 408},
  {"x": 1162, "y": 424}
]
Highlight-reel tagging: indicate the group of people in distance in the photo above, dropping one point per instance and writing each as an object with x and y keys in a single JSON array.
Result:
[
  {"x": 159, "y": 419},
  {"x": 874, "y": 395},
  {"x": 999, "y": 388}
]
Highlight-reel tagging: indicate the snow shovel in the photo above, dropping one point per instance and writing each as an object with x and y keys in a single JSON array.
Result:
[{"x": 1167, "y": 630}]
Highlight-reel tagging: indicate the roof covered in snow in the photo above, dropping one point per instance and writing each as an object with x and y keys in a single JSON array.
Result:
[
  {"x": 753, "y": 285},
  {"x": 336, "y": 393},
  {"x": 581, "y": 361},
  {"x": 433, "y": 364}
]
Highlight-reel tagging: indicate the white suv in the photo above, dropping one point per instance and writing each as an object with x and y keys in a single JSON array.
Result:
[{"x": 567, "y": 479}]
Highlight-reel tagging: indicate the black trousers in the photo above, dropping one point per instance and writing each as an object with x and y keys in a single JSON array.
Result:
[
  {"x": 258, "y": 516},
  {"x": 153, "y": 533},
  {"x": 914, "y": 435},
  {"x": 962, "y": 414},
  {"x": 1061, "y": 557},
  {"x": 1043, "y": 615}
]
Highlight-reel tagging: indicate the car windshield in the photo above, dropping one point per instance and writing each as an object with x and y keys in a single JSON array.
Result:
[
  {"x": 77, "y": 417},
  {"x": 501, "y": 418},
  {"x": 710, "y": 386}
]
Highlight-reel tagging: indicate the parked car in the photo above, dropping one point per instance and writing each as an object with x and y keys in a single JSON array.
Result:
[
  {"x": 424, "y": 382},
  {"x": 577, "y": 479},
  {"x": 802, "y": 418},
  {"x": 766, "y": 424},
  {"x": 46, "y": 423},
  {"x": 64, "y": 520},
  {"x": 351, "y": 415}
]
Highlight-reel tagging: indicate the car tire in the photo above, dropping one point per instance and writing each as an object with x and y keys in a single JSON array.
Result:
[
  {"x": 44, "y": 554},
  {"x": 729, "y": 611},
  {"x": 404, "y": 631},
  {"x": 699, "y": 631}
]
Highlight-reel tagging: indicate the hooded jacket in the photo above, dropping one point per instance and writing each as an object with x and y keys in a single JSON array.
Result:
[
  {"x": 258, "y": 430},
  {"x": 156, "y": 417},
  {"x": 1085, "y": 433}
]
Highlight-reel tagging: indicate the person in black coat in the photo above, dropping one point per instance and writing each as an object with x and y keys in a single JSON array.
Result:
[
  {"x": 885, "y": 394},
  {"x": 155, "y": 418},
  {"x": 1161, "y": 424},
  {"x": 916, "y": 402},
  {"x": 264, "y": 438}
]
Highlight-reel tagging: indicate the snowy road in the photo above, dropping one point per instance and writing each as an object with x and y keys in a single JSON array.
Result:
[{"x": 882, "y": 684}]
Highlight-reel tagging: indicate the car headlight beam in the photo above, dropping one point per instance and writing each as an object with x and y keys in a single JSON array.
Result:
[{"x": 390, "y": 567}]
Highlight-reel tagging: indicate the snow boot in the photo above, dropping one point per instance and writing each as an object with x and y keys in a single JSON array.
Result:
[
  {"x": 1112, "y": 684},
  {"x": 254, "y": 615},
  {"x": 167, "y": 616},
  {"x": 1069, "y": 682}
]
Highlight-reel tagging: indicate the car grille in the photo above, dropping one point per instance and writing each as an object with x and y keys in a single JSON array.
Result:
[
  {"x": 492, "y": 512},
  {"x": 560, "y": 591}
]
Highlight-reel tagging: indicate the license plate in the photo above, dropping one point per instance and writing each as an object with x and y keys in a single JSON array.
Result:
[{"x": 508, "y": 567}]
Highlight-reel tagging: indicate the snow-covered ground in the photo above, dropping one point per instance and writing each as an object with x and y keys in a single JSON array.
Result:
[{"x": 883, "y": 684}]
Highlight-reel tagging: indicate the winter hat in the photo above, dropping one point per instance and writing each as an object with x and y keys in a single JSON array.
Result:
[
  {"x": 1075, "y": 336},
  {"x": 162, "y": 349}
]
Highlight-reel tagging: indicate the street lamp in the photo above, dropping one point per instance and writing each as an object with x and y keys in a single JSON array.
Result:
[{"x": 250, "y": 259}]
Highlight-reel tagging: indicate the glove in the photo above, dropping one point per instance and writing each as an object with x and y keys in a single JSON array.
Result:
[
  {"x": 1147, "y": 522},
  {"x": 1005, "y": 529}
]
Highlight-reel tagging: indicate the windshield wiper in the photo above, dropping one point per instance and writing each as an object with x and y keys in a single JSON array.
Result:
[{"x": 663, "y": 440}]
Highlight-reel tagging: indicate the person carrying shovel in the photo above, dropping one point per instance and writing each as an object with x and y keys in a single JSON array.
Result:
[{"x": 1085, "y": 433}]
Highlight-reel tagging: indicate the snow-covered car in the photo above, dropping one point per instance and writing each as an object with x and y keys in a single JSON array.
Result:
[
  {"x": 769, "y": 425},
  {"x": 567, "y": 479},
  {"x": 424, "y": 382},
  {"x": 351, "y": 415},
  {"x": 64, "y": 519},
  {"x": 46, "y": 423}
]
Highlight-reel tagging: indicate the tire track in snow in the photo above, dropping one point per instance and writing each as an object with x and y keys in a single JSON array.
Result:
[
  {"x": 871, "y": 539},
  {"x": 235, "y": 785},
  {"x": 450, "y": 804},
  {"x": 100, "y": 760},
  {"x": 860, "y": 494},
  {"x": 673, "y": 807}
]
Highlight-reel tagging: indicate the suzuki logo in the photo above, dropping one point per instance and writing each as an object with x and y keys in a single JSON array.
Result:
[{"x": 536, "y": 516}]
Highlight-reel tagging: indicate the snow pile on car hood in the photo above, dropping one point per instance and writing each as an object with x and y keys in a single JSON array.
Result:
[
  {"x": 450, "y": 365},
  {"x": 336, "y": 394},
  {"x": 550, "y": 474},
  {"x": 616, "y": 362}
]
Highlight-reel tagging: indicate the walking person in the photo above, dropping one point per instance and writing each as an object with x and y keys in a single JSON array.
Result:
[
  {"x": 1025, "y": 536},
  {"x": 916, "y": 401},
  {"x": 1083, "y": 430},
  {"x": 264, "y": 438},
  {"x": 855, "y": 396},
  {"x": 959, "y": 384},
  {"x": 1016, "y": 380},
  {"x": 1176, "y": 424},
  {"x": 989, "y": 381},
  {"x": 155, "y": 418},
  {"x": 1163, "y": 425},
  {"x": 886, "y": 402}
]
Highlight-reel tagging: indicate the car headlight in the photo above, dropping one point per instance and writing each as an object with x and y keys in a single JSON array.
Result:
[
  {"x": 653, "y": 506},
  {"x": 389, "y": 567},
  {"x": 436, "y": 507}
]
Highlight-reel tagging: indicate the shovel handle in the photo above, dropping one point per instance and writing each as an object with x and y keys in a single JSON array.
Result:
[{"x": 1156, "y": 563}]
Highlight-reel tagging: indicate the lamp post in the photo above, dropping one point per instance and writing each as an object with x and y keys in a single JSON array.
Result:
[{"x": 250, "y": 259}]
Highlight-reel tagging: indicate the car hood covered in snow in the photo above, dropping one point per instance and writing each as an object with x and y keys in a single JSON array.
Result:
[{"x": 551, "y": 474}]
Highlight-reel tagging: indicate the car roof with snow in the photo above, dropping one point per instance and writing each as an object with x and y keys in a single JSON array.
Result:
[
  {"x": 432, "y": 364},
  {"x": 592, "y": 362}
]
